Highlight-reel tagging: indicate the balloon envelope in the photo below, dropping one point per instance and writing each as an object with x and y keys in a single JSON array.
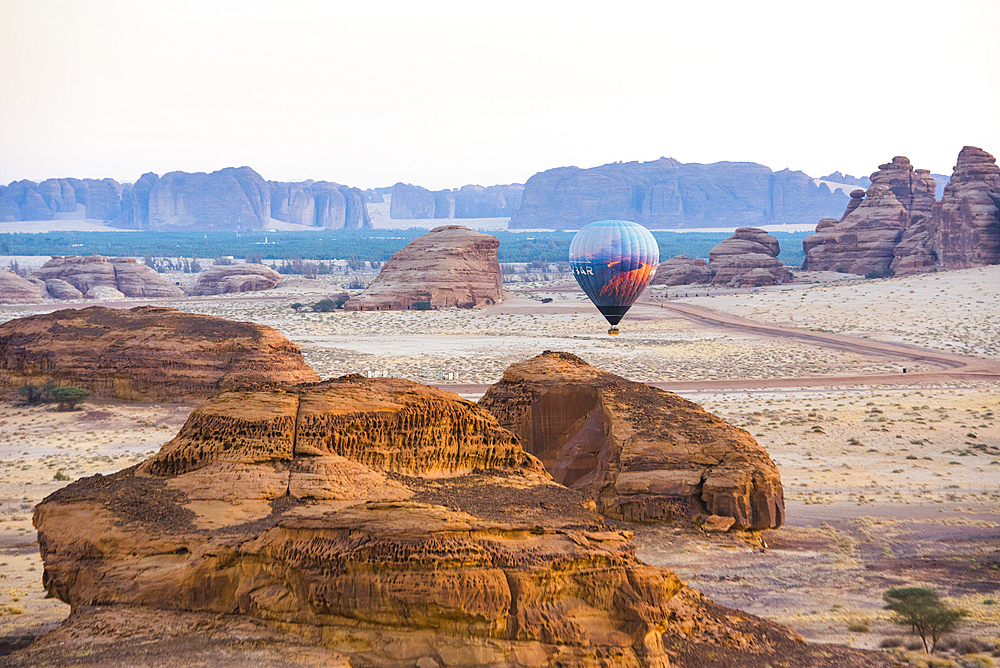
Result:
[{"x": 613, "y": 261}]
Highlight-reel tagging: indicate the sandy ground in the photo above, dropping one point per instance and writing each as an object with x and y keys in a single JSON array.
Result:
[{"x": 885, "y": 485}]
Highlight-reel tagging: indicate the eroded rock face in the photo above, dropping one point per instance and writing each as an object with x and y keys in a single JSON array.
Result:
[
  {"x": 235, "y": 278},
  {"x": 641, "y": 453},
  {"x": 393, "y": 520},
  {"x": 968, "y": 216},
  {"x": 665, "y": 193},
  {"x": 908, "y": 232},
  {"x": 319, "y": 204},
  {"x": 17, "y": 290},
  {"x": 145, "y": 353},
  {"x": 471, "y": 201},
  {"x": 449, "y": 266},
  {"x": 95, "y": 199},
  {"x": 122, "y": 274},
  {"x": 680, "y": 270},
  {"x": 749, "y": 258}
]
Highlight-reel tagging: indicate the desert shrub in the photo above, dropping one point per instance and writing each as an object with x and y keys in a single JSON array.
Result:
[
  {"x": 223, "y": 261},
  {"x": 874, "y": 274},
  {"x": 69, "y": 397},
  {"x": 538, "y": 265},
  {"x": 35, "y": 394},
  {"x": 925, "y": 613},
  {"x": 324, "y": 306},
  {"x": 254, "y": 258},
  {"x": 421, "y": 306},
  {"x": 891, "y": 641},
  {"x": 296, "y": 306},
  {"x": 357, "y": 284},
  {"x": 339, "y": 303},
  {"x": 858, "y": 627},
  {"x": 60, "y": 475}
]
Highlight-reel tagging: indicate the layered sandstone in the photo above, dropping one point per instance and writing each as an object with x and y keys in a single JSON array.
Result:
[
  {"x": 84, "y": 273},
  {"x": 319, "y": 204},
  {"x": 680, "y": 270},
  {"x": 897, "y": 228},
  {"x": 449, "y": 266},
  {"x": 145, "y": 353},
  {"x": 17, "y": 290},
  {"x": 225, "y": 279},
  {"x": 749, "y": 258},
  {"x": 641, "y": 453},
  {"x": 394, "y": 520},
  {"x": 665, "y": 193},
  {"x": 96, "y": 199}
]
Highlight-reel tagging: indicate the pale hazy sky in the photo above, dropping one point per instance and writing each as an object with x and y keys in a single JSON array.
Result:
[{"x": 447, "y": 93}]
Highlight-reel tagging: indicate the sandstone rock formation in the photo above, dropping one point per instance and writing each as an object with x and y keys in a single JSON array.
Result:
[
  {"x": 471, "y": 201},
  {"x": 228, "y": 199},
  {"x": 897, "y": 228},
  {"x": 145, "y": 353},
  {"x": 394, "y": 523},
  {"x": 17, "y": 290},
  {"x": 641, "y": 453},
  {"x": 63, "y": 198},
  {"x": 60, "y": 289},
  {"x": 449, "y": 266},
  {"x": 249, "y": 277},
  {"x": 680, "y": 270},
  {"x": 668, "y": 194},
  {"x": 749, "y": 258},
  {"x": 122, "y": 274},
  {"x": 319, "y": 204}
]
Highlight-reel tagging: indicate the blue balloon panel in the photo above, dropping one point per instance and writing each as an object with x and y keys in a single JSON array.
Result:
[{"x": 613, "y": 261}]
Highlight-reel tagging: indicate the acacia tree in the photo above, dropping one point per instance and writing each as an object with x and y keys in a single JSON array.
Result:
[
  {"x": 68, "y": 397},
  {"x": 924, "y": 612}
]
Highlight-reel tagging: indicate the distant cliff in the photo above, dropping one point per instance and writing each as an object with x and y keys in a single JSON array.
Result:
[
  {"x": 229, "y": 199},
  {"x": 666, "y": 193},
  {"x": 410, "y": 201}
]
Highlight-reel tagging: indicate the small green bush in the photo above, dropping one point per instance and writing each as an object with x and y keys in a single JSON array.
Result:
[
  {"x": 69, "y": 397},
  {"x": 858, "y": 627},
  {"x": 324, "y": 306},
  {"x": 421, "y": 306}
]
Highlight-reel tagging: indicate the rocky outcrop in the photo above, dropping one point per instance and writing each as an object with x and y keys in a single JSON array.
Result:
[
  {"x": 145, "y": 353},
  {"x": 449, "y": 266},
  {"x": 395, "y": 520},
  {"x": 967, "y": 219},
  {"x": 749, "y": 258},
  {"x": 896, "y": 228},
  {"x": 680, "y": 270},
  {"x": 249, "y": 277},
  {"x": 319, "y": 204},
  {"x": 641, "y": 453},
  {"x": 60, "y": 289},
  {"x": 382, "y": 522},
  {"x": 124, "y": 274},
  {"x": 471, "y": 201},
  {"x": 17, "y": 290},
  {"x": 668, "y": 194}
]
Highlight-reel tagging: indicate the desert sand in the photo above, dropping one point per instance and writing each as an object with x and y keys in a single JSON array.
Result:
[{"x": 888, "y": 482}]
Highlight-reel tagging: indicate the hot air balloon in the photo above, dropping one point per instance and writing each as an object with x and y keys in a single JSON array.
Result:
[{"x": 613, "y": 261}]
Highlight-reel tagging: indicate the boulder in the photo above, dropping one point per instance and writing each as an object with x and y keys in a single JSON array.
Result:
[
  {"x": 249, "y": 277},
  {"x": 145, "y": 353},
  {"x": 749, "y": 258},
  {"x": 17, "y": 290},
  {"x": 665, "y": 193},
  {"x": 680, "y": 270},
  {"x": 60, "y": 289},
  {"x": 105, "y": 293},
  {"x": 121, "y": 274},
  {"x": 449, "y": 266},
  {"x": 641, "y": 453}
]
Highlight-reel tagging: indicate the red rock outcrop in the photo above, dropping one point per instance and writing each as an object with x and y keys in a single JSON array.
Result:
[
  {"x": 226, "y": 279},
  {"x": 124, "y": 274},
  {"x": 749, "y": 258},
  {"x": 908, "y": 232},
  {"x": 449, "y": 266},
  {"x": 17, "y": 290},
  {"x": 968, "y": 216},
  {"x": 391, "y": 523},
  {"x": 145, "y": 353},
  {"x": 680, "y": 270},
  {"x": 641, "y": 453}
]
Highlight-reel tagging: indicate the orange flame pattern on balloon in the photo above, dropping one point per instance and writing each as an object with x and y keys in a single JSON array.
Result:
[{"x": 628, "y": 282}]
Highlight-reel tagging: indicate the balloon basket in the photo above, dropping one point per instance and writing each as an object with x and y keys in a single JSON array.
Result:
[{"x": 613, "y": 331}]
